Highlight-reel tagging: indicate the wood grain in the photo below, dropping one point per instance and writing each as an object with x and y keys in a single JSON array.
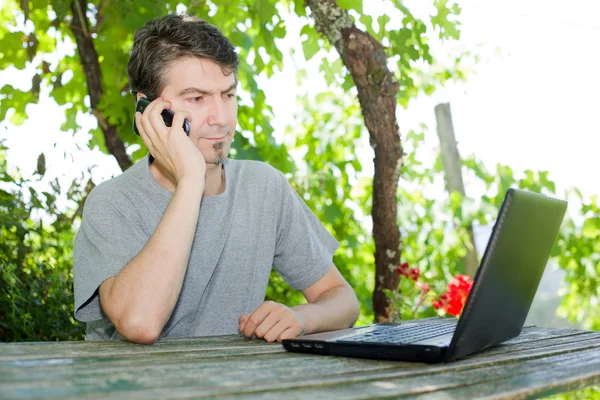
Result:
[{"x": 538, "y": 362}]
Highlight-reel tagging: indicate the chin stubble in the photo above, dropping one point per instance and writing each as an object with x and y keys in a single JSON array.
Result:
[{"x": 219, "y": 154}]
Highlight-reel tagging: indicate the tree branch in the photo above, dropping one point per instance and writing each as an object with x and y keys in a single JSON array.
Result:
[
  {"x": 99, "y": 17},
  {"x": 365, "y": 58},
  {"x": 91, "y": 68}
]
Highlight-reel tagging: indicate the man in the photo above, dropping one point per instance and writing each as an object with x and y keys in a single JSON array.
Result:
[{"x": 183, "y": 242}]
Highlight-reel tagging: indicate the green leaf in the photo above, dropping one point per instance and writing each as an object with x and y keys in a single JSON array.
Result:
[
  {"x": 367, "y": 21},
  {"x": 591, "y": 228},
  {"x": 310, "y": 47},
  {"x": 448, "y": 28},
  {"x": 455, "y": 200},
  {"x": 382, "y": 22},
  {"x": 348, "y": 82},
  {"x": 351, "y": 5},
  {"x": 300, "y": 8}
]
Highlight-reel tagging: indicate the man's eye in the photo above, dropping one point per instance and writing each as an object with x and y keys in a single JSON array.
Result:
[
  {"x": 231, "y": 95},
  {"x": 195, "y": 99}
]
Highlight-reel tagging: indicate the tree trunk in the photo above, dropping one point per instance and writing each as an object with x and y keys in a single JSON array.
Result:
[
  {"x": 365, "y": 58},
  {"x": 91, "y": 68},
  {"x": 453, "y": 174}
]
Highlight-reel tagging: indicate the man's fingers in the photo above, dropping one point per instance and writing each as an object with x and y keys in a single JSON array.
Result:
[
  {"x": 277, "y": 330},
  {"x": 243, "y": 318},
  {"x": 242, "y": 321},
  {"x": 272, "y": 319},
  {"x": 289, "y": 333},
  {"x": 146, "y": 126},
  {"x": 152, "y": 105},
  {"x": 255, "y": 318},
  {"x": 155, "y": 118},
  {"x": 147, "y": 141},
  {"x": 178, "y": 119}
]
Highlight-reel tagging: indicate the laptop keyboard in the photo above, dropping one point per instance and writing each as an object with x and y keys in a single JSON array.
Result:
[{"x": 403, "y": 334}]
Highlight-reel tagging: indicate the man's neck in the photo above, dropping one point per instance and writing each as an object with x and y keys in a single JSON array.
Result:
[{"x": 214, "y": 184}]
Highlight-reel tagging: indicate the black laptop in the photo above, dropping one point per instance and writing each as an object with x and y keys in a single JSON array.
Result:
[{"x": 502, "y": 293}]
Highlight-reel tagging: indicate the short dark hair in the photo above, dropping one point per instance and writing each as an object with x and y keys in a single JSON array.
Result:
[{"x": 163, "y": 40}]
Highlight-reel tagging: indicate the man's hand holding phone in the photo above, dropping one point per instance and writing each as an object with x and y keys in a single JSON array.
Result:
[{"x": 170, "y": 146}]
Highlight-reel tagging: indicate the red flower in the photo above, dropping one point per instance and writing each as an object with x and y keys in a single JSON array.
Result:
[
  {"x": 453, "y": 301},
  {"x": 404, "y": 270},
  {"x": 415, "y": 274},
  {"x": 410, "y": 273}
]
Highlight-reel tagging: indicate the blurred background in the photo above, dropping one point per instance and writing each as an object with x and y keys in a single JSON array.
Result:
[{"x": 519, "y": 81}]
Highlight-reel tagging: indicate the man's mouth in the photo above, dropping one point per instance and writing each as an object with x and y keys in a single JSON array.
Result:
[{"x": 215, "y": 138}]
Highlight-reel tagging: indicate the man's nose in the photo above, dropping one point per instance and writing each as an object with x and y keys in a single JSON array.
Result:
[{"x": 217, "y": 113}]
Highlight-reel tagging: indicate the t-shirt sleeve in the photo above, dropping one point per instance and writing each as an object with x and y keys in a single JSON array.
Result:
[
  {"x": 108, "y": 238},
  {"x": 304, "y": 248}
]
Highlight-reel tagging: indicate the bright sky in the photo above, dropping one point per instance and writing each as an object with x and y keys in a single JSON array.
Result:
[{"x": 532, "y": 106}]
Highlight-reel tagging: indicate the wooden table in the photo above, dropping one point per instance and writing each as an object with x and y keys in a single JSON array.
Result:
[{"x": 538, "y": 363}]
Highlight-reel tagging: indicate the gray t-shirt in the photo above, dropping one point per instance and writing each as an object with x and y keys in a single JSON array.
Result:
[{"x": 256, "y": 224}]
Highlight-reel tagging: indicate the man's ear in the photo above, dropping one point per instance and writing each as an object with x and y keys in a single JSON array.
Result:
[{"x": 139, "y": 96}]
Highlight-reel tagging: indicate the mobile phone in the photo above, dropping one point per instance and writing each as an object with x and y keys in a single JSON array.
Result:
[{"x": 167, "y": 115}]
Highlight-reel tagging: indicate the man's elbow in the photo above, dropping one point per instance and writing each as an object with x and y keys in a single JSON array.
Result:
[
  {"x": 132, "y": 324},
  {"x": 138, "y": 331}
]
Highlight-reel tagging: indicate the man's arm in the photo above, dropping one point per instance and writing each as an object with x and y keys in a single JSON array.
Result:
[
  {"x": 332, "y": 305},
  {"x": 140, "y": 299}
]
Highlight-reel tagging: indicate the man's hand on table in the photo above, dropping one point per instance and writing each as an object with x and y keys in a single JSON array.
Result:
[{"x": 273, "y": 321}]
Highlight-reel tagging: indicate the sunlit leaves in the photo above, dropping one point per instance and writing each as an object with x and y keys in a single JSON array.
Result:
[
  {"x": 310, "y": 45},
  {"x": 18, "y": 101},
  {"x": 331, "y": 70},
  {"x": 327, "y": 135},
  {"x": 448, "y": 26},
  {"x": 434, "y": 231},
  {"x": 252, "y": 26},
  {"x": 13, "y": 51},
  {"x": 36, "y": 291},
  {"x": 355, "y": 5},
  {"x": 591, "y": 228}
]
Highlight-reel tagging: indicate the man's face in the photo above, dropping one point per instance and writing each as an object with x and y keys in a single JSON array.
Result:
[{"x": 200, "y": 87}]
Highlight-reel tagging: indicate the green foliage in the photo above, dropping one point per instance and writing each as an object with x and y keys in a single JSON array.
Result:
[
  {"x": 434, "y": 232},
  {"x": 589, "y": 393},
  {"x": 433, "y": 237},
  {"x": 411, "y": 301},
  {"x": 326, "y": 136},
  {"x": 411, "y": 61},
  {"x": 36, "y": 279},
  {"x": 447, "y": 27},
  {"x": 112, "y": 34},
  {"x": 578, "y": 253}
]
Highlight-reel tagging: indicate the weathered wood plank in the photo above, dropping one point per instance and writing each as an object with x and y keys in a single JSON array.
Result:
[
  {"x": 54, "y": 369},
  {"x": 558, "y": 378},
  {"x": 51, "y": 350},
  {"x": 534, "y": 333},
  {"x": 58, "y": 368},
  {"x": 195, "y": 365},
  {"x": 518, "y": 346},
  {"x": 210, "y": 375},
  {"x": 523, "y": 380},
  {"x": 277, "y": 372},
  {"x": 429, "y": 385}
]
